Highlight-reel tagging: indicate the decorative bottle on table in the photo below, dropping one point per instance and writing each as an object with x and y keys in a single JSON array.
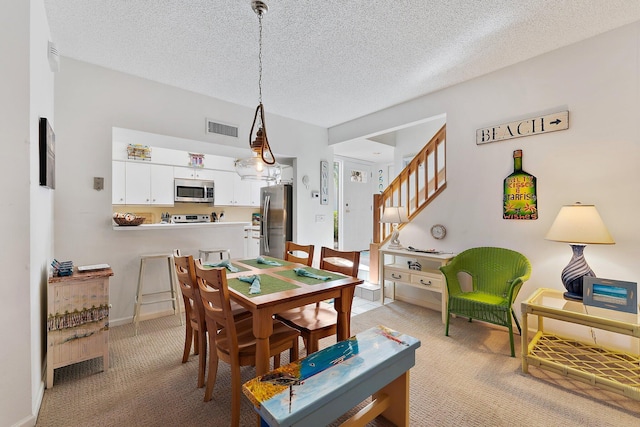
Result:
[{"x": 520, "y": 196}]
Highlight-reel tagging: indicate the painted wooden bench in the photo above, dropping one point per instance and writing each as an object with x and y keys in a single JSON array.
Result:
[{"x": 325, "y": 385}]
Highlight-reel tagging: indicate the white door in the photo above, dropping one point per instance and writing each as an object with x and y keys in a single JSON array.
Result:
[{"x": 356, "y": 212}]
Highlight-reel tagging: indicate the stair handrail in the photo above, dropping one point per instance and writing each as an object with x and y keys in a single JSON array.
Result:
[{"x": 423, "y": 195}]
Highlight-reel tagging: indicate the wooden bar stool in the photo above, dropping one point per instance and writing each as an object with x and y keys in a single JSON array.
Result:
[
  {"x": 173, "y": 288},
  {"x": 203, "y": 254}
]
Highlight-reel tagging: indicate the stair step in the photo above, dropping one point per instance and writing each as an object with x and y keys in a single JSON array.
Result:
[{"x": 368, "y": 291}]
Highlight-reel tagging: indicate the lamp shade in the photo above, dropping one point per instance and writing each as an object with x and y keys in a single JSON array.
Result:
[
  {"x": 254, "y": 169},
  {"x": 579, "y": 223},
  {"x": 394, "y": 215}
]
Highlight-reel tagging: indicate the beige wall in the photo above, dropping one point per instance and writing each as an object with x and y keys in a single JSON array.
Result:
[
  {"x": 594, "y": 161},
  {"x": 90, "y": 101},
  {"x": 26, "y": 209}
]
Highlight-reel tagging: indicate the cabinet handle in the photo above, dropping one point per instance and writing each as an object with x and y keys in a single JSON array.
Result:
[
  {"x": 396, "y": 276},
  {"x": 423, "y": 283}
]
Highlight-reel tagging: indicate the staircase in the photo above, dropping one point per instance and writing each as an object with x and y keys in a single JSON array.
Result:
[{"x": 420, "y": 182}]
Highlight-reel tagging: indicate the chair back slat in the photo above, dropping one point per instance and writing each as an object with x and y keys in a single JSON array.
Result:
[
  {"x": 346, "y": 263},
  {"x": 185, "y": 270},
  {"x": 302, "y": 254},
  {"x": 214, "y": 292}
]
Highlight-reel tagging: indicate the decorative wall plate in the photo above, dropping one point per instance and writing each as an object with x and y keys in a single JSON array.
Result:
[{"x": 438, "y": 231}]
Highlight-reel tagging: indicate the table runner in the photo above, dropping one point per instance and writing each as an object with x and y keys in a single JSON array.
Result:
[
  {"x": 253, "y": 263},
  {"x": 290, "y": 274},
  {"x": 239, "y": 267},
  {"x": 268, "y": 285}
]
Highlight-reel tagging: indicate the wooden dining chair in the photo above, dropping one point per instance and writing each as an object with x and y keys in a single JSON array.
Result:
[
  {"x": 320, "y": 320},
  {"x": 196, "y": 328},
  {"x": 294, "y": 252},
  {"x": 233, "y": 342}
]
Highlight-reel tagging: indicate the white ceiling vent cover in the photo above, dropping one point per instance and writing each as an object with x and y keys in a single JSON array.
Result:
[
  {"x": 54, "y": 57},
  {"x": 221, "y": 128}
]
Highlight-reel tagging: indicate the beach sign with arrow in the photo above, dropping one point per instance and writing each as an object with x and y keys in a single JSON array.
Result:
[{"x": 526, "y": 127}]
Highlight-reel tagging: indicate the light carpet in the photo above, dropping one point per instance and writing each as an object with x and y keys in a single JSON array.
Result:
[{"x": 466, "y": 379}]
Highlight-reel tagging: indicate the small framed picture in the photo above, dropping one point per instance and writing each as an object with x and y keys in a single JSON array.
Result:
[
  {"x": 47, "y": 142},
  {"x": 611, "y": 294},
  {"x": 324, "y": 182}
]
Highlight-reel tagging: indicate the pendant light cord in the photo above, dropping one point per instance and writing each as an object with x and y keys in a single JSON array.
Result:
[
  {"x": 259, "y": 114},
  {"x": 260, "y": 59}
]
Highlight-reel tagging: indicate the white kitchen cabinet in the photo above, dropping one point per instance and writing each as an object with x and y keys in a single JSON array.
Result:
[
  {"x": 241, "y": 191},
  {"x": 193, "y": 173},
  {"x": 162, "y": 188},
  {"x": 138, "y": 183},
  {"x": 255, "y": 192},
  {"x": 118, "y": 183},
  {"x": 223, "y": 188},
  {"x": 287, "y": 175},
  {"x": 251, "y": 243},
  {"x": 148, "y": 184},
  {"x": 231, "y": 190}
]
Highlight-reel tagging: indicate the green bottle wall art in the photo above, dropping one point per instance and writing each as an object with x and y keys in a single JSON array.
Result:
[{"x": 520, "y": 197}]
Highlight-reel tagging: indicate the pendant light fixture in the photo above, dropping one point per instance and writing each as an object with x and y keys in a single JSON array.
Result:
[{"x": 262, "y": 166}]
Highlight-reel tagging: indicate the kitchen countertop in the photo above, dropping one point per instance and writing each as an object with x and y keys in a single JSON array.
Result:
[{"x": 181, "y": 226}]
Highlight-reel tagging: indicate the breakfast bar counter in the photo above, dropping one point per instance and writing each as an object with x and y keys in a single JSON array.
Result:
[{"x": 179, "y": 226}]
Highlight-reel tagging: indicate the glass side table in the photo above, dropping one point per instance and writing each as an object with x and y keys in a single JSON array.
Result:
[{"x": 614, "y": 370}]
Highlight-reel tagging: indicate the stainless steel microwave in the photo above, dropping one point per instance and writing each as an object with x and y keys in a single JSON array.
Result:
[{"x": 194, "y": 191}]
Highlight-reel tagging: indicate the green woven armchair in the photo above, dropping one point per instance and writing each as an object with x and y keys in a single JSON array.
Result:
[{"x": 497, "y": 274}]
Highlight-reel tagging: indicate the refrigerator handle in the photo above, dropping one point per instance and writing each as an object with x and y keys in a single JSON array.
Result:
[{"x": 265, "y": 222}]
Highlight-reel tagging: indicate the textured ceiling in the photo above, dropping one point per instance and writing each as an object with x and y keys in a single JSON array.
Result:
[{"x": 325, "y": 61}]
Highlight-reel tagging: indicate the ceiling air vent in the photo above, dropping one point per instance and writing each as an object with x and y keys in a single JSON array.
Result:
[{"x": 221, "y": 129}]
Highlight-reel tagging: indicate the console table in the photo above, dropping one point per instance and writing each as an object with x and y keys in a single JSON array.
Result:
[
  {"x": 614, "y": 370},
  {"x": 77, "y": 319},
  {"x": 393, "y": 267}
]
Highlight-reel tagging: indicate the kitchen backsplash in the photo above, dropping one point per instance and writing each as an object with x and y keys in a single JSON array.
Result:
[{"x": 153, "y": 214}]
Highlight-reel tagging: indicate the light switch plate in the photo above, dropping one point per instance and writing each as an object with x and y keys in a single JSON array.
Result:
[{"x": 98, "y": 183}]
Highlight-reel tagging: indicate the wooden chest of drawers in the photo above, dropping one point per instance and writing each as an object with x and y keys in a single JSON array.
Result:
[{"x": 77, "y": 319}]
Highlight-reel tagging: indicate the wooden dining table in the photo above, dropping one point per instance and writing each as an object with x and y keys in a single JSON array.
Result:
[{"x": 282, "y": 289}]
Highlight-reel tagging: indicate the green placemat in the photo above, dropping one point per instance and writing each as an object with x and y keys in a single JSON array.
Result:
[
  {"x": 253, "y": 263},
  {"x": 268, "y": 285},
  {"x": 309, "y": 280},
  {"x": 239, "y": 267}
]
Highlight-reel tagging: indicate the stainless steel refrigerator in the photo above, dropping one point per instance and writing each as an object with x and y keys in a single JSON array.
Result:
[{"x": 276, "y": 225}]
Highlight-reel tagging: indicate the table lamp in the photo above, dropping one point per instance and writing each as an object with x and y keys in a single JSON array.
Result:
[
  {"x": 395, "y": 215},
  {"x": 578, "y": 225}
]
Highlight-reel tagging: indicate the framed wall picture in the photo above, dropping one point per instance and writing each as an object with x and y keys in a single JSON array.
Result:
[
  {"x": 324, "y": 182},
  {"x": 47, "y": 154}
]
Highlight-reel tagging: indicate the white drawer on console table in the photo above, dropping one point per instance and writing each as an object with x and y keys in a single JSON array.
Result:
[{"x": 427, "y": 279}]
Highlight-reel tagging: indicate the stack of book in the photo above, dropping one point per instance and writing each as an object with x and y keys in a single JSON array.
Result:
[{"x": 64, "y": 268}]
